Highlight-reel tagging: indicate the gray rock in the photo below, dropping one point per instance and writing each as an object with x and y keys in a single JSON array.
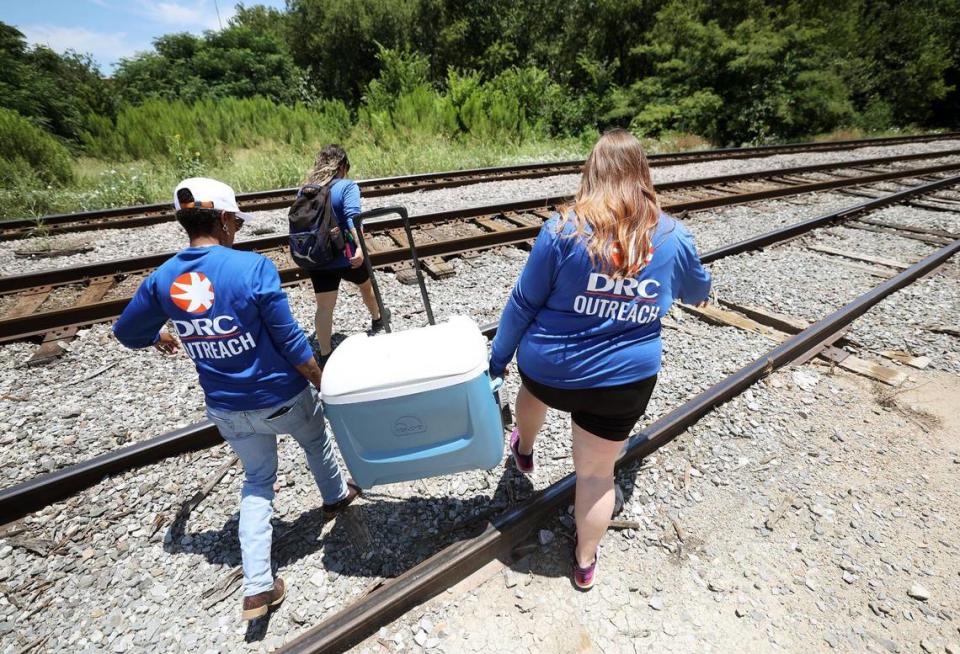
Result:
[
  {"x": 919, "y": 592},
  {"x": 886, "y": 643},
  {"x": 546, "y": 537},
  {"x": 69, "y": 412},
  {"x": 656, "y": 603}
]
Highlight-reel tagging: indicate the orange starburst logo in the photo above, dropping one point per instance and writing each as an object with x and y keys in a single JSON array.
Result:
[{"x": 192, "y": 292}]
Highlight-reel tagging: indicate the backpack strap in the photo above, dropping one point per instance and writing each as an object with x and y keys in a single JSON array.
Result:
[{"x": 313, "y": 188}]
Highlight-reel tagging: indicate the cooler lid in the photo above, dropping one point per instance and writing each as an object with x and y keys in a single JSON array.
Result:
[{"x": 366, "y": 368}]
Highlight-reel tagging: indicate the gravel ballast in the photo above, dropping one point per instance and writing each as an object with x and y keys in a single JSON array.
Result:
[
  {"x": 113, "y": 569},
  {"x": 123, "y": 243},
  {"x": 64, "y": 416},
  {"x": 119, "y": 584}
]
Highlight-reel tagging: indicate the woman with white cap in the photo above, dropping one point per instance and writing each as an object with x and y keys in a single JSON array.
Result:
[{"x": 258, "y": 373}]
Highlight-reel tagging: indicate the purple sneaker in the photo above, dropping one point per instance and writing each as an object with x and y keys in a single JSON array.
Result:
[
  {"x": 584, "y": 577},
  {"x": 524, "y": 461}
]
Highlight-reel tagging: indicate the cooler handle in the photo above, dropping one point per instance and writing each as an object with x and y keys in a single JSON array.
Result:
[{"x": 402, "y": 212}]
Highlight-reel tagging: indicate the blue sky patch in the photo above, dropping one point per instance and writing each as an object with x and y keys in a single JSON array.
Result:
[{"x": 112, "y": 29}]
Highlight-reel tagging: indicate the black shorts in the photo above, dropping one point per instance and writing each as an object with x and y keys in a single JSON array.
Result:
[
  {"x": 325, "y": 281},
  {"x": 610, "y": 412}
]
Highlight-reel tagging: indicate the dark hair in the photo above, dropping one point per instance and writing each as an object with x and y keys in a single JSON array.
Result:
[
  {"x": 335, "y": 152},
  {"x": 199, "y": 222},
  {"x": 327, "y": 164}
]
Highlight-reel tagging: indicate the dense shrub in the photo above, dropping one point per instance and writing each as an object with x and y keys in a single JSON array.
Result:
[{"x": 29, "y": 155}]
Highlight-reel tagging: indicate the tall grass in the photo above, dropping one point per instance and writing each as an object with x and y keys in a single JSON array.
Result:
[
  {"x": 159, "y": 128},
  {"x": 255, "y": 144},
  {"x": 100, "y": 184}
]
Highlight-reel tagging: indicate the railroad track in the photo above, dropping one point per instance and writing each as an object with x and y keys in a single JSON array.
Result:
[
  {"x": 26, "y": 497},
  {"x": 53, "y": 305},
  {"x": 507, "y": 530},
  {"x": 502, "y": 534},
  {"x": 150, "y": 214}
]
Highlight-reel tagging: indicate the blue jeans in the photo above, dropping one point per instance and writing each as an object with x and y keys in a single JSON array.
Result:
[{"x": 253, "y": 436}]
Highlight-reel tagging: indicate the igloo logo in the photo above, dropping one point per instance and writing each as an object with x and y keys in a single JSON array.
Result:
[
  {"x": 407, "y": 425},
  {"x": 192, "y": 292}
]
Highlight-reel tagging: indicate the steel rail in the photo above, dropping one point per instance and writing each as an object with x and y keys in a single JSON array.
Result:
[
  {"x": 149, "y": 214},
  {"x": 352, "y": 624},
  {"x": 34, "y": 494},
  {"x": 40, "y": 323},
  {"x": 76, "y": 274}
]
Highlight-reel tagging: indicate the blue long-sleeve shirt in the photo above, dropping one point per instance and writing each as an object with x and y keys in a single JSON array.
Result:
[
  {"x": 232, "y": 319},
  {"x": 574, "y": 327},
  {"x": 345, "y": 203}
]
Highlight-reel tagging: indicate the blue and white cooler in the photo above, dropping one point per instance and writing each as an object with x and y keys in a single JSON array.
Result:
[{"x": 413, "y": 404}]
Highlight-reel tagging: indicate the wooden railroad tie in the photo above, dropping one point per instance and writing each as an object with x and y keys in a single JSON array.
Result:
[
  {"x": 29, "y": 302},
  {"x": 53, "y": 343},
  {"x": 857, "y": 256},
  {"x": 437, "y": 267},
  {"x": 828, "y": 351}
]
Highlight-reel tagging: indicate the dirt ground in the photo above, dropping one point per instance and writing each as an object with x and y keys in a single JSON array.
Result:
[{"x": 834, "y": 529}]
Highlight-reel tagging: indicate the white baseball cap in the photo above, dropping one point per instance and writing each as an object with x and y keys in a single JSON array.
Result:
[{"x": 206, "y": 193}]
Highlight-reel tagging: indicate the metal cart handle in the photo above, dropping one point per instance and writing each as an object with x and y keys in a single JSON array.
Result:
[{"x": 402, "y": 212}]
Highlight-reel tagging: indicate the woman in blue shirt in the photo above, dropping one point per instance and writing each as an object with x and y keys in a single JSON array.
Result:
[
  {"x": 257, "y": 371},
  {"x": 584, "y": 320},
  {"x": 331, "y": 167}
]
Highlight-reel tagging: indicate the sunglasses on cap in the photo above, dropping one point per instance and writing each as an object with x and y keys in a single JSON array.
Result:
[{"x": 237, "y": 220}]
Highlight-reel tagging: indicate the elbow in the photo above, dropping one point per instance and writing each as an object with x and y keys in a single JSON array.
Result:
[{"x": 133, "y": 343}]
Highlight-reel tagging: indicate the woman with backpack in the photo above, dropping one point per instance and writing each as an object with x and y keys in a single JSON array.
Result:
[
  {"x": 584, "y": 320},
  {"x": 329, "y": 171}
]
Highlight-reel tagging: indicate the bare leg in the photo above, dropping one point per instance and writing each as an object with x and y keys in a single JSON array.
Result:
[
  {"x": 530, "y": 415},
  {"x": 369, "y": 299},
  {"x": 324, "y": 319},
  {"x": 593, "y": 460}
]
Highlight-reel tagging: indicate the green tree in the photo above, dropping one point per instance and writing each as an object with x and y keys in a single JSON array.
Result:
[
  {"x": 753, "y": 73},
  {"x": 247, "y": 59},
  {"x": 338, "y": 40},
  {"x": 55, "y": 91}
]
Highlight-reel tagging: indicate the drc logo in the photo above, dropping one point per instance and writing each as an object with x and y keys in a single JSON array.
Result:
[
  {"x": 407, "y": 425},
  {"x": 192, "y": 292}
]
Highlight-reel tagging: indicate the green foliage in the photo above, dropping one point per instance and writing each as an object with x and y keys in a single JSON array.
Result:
[
  {"x": 338, "y": 41},
  {"x": 408, "y": 84},
  {"x": 400, "y": 101},
  {"x": 183, "y": 132},
  {"x": 54, "y": 91},
  {"x": 30, "y": 156},
  {"x": 247, "y": 59},
  {"x": 768, "y": 75}
]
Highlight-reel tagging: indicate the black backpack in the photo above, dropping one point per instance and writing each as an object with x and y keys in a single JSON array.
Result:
[{"x": 315, "y": 237}]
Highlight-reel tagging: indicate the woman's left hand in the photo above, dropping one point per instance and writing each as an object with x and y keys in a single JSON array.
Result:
[{"x": 356, "y": 260}]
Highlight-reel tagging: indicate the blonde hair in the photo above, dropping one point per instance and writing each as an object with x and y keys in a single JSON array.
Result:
[{"x": 617, "y": 200}]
